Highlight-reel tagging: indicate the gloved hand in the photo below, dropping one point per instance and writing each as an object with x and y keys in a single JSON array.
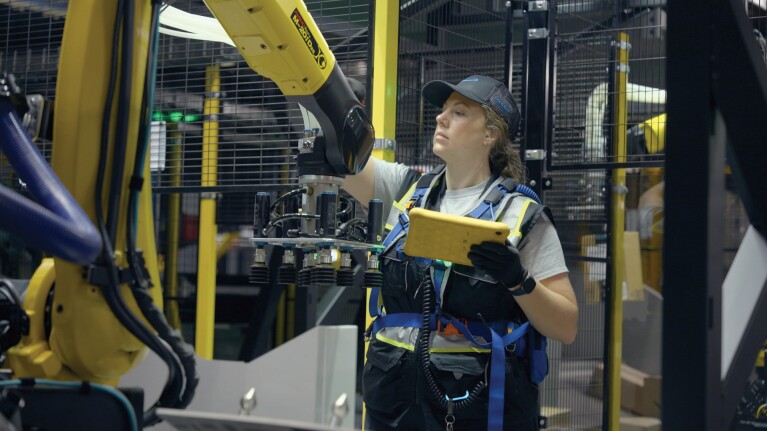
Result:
[{"x": 500, "y": 261}]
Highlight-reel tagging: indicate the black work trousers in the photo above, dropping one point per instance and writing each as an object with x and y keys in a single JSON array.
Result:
[{"x": 397, "y": 397}]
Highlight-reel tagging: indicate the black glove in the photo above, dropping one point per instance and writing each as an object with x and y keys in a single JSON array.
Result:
[{"x": 500, "y": 261}]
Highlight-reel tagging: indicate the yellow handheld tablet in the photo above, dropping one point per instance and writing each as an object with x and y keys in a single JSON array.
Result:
[{"x": 449, "y": 237}]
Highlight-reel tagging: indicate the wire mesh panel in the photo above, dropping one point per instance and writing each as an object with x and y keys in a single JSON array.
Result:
[
  {"x": 584, "y": 33},
  {"x": 587, "y": 41},
  {"x": 609, "y": 117},
  {"x": 445, "y": 40},
  {"x": 30, "y": 42},
  {"x": 257, "y": 128},
  {"x": 254, "y": 125}
]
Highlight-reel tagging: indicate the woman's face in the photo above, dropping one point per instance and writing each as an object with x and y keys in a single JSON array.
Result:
[{"x": 461, "y": 134}]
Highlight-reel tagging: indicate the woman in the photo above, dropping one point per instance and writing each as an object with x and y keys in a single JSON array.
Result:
[{"x": 521, "y": 281}]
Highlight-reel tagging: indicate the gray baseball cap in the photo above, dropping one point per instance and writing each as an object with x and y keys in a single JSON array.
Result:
[{"x": 481, "y": 89}]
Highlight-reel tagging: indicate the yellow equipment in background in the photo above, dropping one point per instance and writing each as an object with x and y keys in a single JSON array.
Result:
[
  {"x": 648, "y": 138},
  {"x": 654, "y": 130}
]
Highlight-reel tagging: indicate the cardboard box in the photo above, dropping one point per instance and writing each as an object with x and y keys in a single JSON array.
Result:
[
  {"x": 595, "y": 273},
  {"x": 634, "y": 287},
  {"x": 640, "y": 392}
]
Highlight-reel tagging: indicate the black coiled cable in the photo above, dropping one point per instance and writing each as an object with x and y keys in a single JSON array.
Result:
[
  {"x": 423, "y": 351},
  {"x": 273, "y": 208}
]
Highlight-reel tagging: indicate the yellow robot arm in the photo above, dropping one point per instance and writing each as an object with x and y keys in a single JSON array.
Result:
[
  {"x": 655, "y": 134},
  {"x": 279, "y": 40},
  {"x": 648, "y": 137},
  {"x": 91, "y": 320},
  {"x": 85, "y": 341}
]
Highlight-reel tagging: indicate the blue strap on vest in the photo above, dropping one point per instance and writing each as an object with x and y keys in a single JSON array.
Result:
[
  {"x": 486, "y": 210},
  {"x": 422, "y": 188}
]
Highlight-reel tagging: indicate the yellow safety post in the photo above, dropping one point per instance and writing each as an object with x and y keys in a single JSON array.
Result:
[
  {"x": 290, "y": 314},
  {"x": 384, "y": 94},
  {"x": 173, "y": 165},
  {"x": 279, "y": 321},
  {"x": 206, "y": 253},
  {"x": 385, "y": 52},
  {"x": 615, "y": 347}
]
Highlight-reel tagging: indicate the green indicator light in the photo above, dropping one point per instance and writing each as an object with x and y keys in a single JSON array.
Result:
[{"x": 175, "y": 116}]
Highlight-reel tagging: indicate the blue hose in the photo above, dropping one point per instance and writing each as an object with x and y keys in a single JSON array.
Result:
[
  {"x": 527, "y": 191},
  {"x": 55, "y": 223}
]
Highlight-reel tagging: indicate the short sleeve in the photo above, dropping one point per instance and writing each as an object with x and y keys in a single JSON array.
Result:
[
  {"x": 387, "y": 181},
  {"x": 541, "y": 251}
]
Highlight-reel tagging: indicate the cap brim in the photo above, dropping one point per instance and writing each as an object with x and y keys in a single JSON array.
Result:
[{"x": 437, "y": 92}]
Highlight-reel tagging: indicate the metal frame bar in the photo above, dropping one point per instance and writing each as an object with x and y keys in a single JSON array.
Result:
[
  {"x": 383, "y": 100},
  {"x": 612, "y": 357},
  {"x": 616, "y": 230},
  {"x": 537, "y": 94},
  {"x": 692, "y": 258},
  {"x": 603, "y": 166},
  {"x": 206, "y": 254}
]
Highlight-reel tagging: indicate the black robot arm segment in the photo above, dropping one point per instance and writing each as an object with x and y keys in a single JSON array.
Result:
[{"x": 346, "y": 138}]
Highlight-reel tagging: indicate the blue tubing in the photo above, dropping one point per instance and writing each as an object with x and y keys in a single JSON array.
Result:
[{"x": 55, "y": 223}]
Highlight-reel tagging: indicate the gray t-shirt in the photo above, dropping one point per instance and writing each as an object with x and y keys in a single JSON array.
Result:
[{"x": 540, "y": 250}]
